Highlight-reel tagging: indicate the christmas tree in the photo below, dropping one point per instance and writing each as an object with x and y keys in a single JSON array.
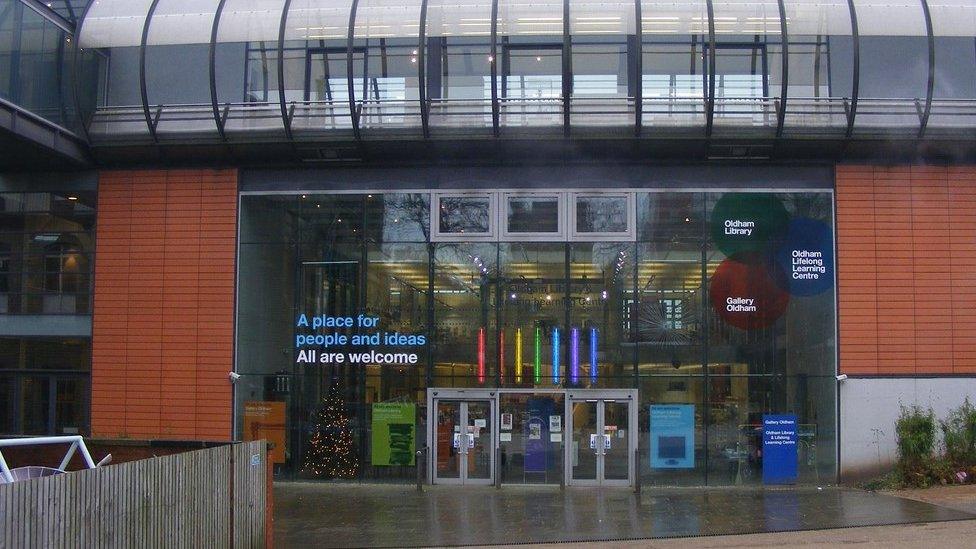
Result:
[{"x": 330, "y": 451}]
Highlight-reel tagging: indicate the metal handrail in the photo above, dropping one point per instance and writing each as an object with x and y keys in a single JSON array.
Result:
[{"x": 76, "y": 442}]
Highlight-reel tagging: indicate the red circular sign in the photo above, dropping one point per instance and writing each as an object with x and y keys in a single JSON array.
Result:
[{"x": 746, "y": 293}]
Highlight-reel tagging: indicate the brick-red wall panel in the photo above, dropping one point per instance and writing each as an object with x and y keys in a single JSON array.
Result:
[
  {"x": 907, "y": 292},
  {"x": 164, "y": 303}
]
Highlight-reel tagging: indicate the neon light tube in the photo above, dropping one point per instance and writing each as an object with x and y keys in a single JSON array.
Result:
[
  {"x": 481, "y": 355},
  {"x": 593, "y": 354},
  {"x": 555, "y": 356},
  {"x": 538, "y": 355},
  {"x": 574, "y": 356},
  {"x": 518, "y": 355}
]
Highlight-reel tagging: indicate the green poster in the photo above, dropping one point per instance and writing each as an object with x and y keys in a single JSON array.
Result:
[{"x": 394, "y": 434}]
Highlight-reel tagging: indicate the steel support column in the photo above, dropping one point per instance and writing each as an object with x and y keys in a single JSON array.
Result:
[
  {"x": 567, "y": 59},
  {"x": 784, "y": 86},
  {"x": 422, "y": 70},
  {"x": 213, "y": 71},
  {"x": 282, "y": 104},
  {"x": 495, "y": 106},
  {"x": 856, "y": 76},
  {"x": 144, "y": 93},
  {"x": 350, "y": 81},
  {"x": 75, "y": 84},
  {"x": 639, "y": 70},
  {"x": 710, "y": 99},
  {"x": 930, "y": 85}
]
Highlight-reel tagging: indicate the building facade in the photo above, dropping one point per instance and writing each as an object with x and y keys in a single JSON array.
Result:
[{"x": 554, "y": 242}]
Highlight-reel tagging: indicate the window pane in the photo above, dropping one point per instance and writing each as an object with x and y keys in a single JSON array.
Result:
[
  {"x": 601, "y": 214},
  {"x": 464, "y": 215},
  {"x": 533, "y": 214}
]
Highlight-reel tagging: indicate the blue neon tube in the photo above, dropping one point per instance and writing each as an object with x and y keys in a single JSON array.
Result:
[
  {"x": 555, "y": 356},
  {"x": 593, "y": 353},
  {"x": 574, "y": 356}
]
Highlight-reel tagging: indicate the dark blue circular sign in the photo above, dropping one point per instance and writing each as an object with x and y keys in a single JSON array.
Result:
[{"x": 807, "y": 257}]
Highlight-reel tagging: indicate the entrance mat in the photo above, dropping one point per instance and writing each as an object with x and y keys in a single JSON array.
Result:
[{"x": 348, "y": 515}]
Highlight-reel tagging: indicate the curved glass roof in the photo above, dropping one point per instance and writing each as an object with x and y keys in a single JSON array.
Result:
[{"x": 119, "y": 23}]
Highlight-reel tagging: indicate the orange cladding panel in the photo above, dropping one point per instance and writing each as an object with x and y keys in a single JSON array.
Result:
[
  {"x": 907, "y": 289},
  {"x": 164, "y": 271}
]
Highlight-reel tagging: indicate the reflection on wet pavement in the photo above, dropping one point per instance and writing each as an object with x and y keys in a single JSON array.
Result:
[{"x": 345, "y": 515}]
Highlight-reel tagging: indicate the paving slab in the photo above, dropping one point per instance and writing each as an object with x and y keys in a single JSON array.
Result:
[{"x": 353, "y": 515}]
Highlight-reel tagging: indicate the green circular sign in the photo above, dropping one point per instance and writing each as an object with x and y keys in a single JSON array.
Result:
[{"x": 747, "y": 222}]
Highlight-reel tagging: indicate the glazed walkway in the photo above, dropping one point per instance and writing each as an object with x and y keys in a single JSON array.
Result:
[{"x": 330, "y": 515}]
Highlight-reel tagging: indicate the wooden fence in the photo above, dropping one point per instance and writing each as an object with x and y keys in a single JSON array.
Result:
[{"x": 216, "y": 497}]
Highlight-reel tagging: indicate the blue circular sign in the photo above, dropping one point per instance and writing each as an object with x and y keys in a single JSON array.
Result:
[{"x": 807, "y": 257}]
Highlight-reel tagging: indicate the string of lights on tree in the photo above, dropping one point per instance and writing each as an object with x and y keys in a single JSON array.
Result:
[{"x": 330, "y": 451}]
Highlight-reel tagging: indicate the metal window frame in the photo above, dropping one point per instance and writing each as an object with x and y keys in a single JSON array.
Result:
[
  {"x": 436, "y": 235},
  {"x": 630, "y": 235},
  {"x": 562, "y": 220},
  {"x": 143, "y": 91}
]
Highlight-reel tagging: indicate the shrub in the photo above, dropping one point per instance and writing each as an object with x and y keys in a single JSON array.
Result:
[
  {"x": 959, "y": 436},
  {"x": 915, "y": 430}
]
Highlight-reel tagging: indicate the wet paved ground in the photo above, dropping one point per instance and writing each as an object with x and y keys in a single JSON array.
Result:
[{"x": 329, "y": 515}]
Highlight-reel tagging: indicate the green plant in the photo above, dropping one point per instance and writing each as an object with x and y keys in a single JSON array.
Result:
[
  {"x": 915, "y": 430},
  {"x": 959, "y": 436}
]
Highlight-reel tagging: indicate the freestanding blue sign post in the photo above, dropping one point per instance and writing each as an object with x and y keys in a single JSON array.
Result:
[{"x": 779, "y": 449}]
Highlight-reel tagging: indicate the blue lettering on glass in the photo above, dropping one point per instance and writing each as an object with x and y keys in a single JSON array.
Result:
[{"x": 325, "y": 339}]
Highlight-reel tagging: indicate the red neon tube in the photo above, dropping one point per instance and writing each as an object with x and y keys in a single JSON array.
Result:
[{"x": 481, "y": 355}]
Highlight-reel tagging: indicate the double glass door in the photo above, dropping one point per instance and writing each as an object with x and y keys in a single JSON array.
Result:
[
  {"x": 602, "y": 446},
  {"x": 464, "y": 442}
]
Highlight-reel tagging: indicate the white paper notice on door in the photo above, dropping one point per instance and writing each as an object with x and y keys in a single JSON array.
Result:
[
  {"x": 555, "y": 437},
  {"x": 505, "y": 437},
  {"x": 482, "y": 423}
]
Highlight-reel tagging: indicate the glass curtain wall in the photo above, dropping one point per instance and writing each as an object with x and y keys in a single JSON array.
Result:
[
  {"x": 37, "y": 69},
  {"x": 46, "y": 250},
  {"x": 720, "y": 305}
]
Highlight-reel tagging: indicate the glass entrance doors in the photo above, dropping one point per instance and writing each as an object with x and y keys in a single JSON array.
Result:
[
  {"x": 464, "y": 442},
  {"x": 602, "y": 432},
  {"x": 532, "y": 436}
]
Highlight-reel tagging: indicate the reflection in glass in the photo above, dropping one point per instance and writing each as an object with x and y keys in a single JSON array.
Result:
[
  {"x": 533, "y": 214},
  {"x": 601, "y": 298},
  {"x": 532, "y": 288},
  {"x": 464, "y": 289},
  {"x": 602, "y": 214},
  {"x": 464, "y": 215}
]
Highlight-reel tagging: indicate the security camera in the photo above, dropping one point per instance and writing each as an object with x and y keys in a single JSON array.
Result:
[
  {"x": 234, "y": 376},
  {"x": 841, "y": 377}
]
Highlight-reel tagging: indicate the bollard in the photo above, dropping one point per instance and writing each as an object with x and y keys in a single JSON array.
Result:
[{"x": 421, "y": 465}]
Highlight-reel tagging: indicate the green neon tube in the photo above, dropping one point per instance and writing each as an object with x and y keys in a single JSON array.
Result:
[{"x": 538, "y": 355}]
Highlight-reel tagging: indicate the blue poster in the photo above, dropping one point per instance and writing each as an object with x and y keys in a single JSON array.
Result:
[
  {"x": 779, "y": 449},
  {"x": 537, "y": 435},
  {"x": 672, "y": 436}
]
